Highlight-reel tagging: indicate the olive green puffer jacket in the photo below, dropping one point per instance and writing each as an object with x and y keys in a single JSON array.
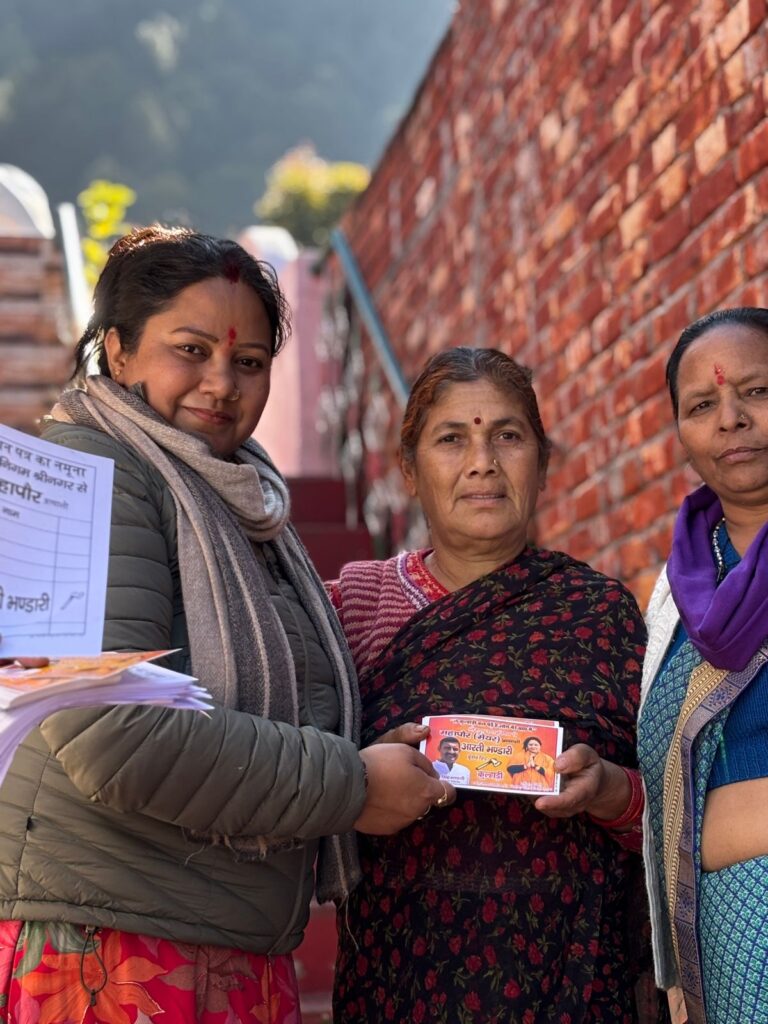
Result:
[{"x": 96, "y": 811}]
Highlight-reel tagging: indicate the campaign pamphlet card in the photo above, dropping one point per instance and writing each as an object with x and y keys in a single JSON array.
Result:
[
  {"x": 55, "y": 509},
  {"x": 18, "y": 685},
  {"x": 506, "y": 755}
]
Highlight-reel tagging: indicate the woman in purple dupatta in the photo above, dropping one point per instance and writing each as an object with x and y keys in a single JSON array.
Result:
[
  {"x": 703, "y": 736},
  {"x": 499, "y": 908}
]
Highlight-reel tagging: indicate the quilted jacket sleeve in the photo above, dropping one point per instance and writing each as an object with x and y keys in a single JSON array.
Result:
[{"x": 229, "y": 772}]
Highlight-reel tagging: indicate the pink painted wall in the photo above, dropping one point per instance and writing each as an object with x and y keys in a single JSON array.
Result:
[{"x": 288, "y": 427}]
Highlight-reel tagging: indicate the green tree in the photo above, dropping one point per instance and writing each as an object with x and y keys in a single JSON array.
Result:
[{"x": 307, "y": 195}]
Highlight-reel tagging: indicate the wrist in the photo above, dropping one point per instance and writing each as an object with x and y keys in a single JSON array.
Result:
[
  {"x": 633, "y": 803},
  {"x": 613, "y": 793}
]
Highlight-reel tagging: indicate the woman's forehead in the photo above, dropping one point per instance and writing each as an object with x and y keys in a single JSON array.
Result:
[
  {"x": 468, "y": 399},
  {"x": 727, "y": 349}
]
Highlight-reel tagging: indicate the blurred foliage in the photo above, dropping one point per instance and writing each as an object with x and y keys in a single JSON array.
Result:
[
  {"x": 192, "y": 101},
  {"x": 307, "y": 195},
  {"x": 103, "y": 206}
]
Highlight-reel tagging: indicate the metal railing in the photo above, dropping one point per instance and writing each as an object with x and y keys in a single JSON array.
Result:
[{"x": 361, "y": 296}]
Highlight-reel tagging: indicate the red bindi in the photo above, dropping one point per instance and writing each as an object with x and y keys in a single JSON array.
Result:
[
  {"x": 478, "y": 421},
  {"x": 719, "y": 375},
  {"x": 231, "y": 334}
]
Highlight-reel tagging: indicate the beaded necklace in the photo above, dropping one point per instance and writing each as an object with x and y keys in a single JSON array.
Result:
[{"x": 718, "y": 553}]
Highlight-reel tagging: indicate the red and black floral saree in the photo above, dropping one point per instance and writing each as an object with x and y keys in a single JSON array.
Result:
[{"x": 487, "y": 910}]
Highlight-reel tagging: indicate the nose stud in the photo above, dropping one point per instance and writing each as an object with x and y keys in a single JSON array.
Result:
[{"x": 234, "y": 396}]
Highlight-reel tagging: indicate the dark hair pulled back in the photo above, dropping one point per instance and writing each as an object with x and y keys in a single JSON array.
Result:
[
  {"x": 754, "y": 317},
  {"x": 147, "y": 269}
]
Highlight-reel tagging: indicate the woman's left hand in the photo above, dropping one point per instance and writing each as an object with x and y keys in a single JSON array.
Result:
[{"x": 590, "y": 784}]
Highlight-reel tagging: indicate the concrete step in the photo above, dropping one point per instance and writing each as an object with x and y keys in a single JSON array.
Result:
[
  {"x": 331, "y": 546},
  {"x": 22, "y": 275},
  {"x": 23, "y": 362},
  {"x": 27, "y": 318},
  {"x": 317, "y": 500}
]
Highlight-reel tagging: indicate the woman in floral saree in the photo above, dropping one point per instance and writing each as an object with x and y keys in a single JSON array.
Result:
[{"x": 500, "y": 908}]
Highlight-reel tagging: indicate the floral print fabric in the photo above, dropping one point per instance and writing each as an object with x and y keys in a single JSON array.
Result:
[
  {"x": 54, "y": 973},
  {"x": 488, "y": 911}
]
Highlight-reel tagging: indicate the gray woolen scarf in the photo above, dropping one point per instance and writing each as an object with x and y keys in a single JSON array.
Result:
[{"x": 238, "y": 646}]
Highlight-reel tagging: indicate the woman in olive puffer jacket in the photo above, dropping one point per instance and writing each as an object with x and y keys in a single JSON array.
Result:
[{"x": 162, "y": 860}]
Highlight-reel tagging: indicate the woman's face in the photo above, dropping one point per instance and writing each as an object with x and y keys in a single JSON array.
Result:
[
  {"x": 204, "y": 362},
  {"x": 476, "y": 470},
  {"x": 723, "y": 412},
  {"x": 533, "y": 746}
]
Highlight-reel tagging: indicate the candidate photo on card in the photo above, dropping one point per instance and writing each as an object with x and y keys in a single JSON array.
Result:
[
  {"x": 447, "y": 766},
  {"x": 537, "y": 770}
]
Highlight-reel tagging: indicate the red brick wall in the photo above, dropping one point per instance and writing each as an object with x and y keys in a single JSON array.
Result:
[{"x": 576, "y": 181}]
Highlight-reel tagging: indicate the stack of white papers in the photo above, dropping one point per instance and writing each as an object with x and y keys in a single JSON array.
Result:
[
  {"x": 55, "y": 507},
  {"x": 28, "y": 696}
]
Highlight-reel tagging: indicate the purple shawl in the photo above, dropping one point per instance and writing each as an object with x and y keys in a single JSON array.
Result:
[{"x": 726, "y": 623}]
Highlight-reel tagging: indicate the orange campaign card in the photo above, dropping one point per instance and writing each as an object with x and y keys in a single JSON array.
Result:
[
  {"x": 72, "y": 670},
  {"x": 507, "y": 755}
]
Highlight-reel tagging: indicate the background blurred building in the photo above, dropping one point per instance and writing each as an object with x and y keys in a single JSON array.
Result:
[
  {"x": 35, "y": 324},
  {"x": 288, "y": 428},
  {"x": 324, "y": 508}
]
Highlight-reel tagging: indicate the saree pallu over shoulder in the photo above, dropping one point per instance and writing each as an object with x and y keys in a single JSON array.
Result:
[
  {"x": 545, "y": 636},
  {"x": 677, "y": 760},
  {"x": 678, "y": 853}
]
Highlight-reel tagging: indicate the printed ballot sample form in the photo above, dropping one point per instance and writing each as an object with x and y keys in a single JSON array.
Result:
[{"x": 55, "y": 512}]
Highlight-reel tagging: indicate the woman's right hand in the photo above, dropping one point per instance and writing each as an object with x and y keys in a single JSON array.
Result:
[{"x": 402, "y": 786}]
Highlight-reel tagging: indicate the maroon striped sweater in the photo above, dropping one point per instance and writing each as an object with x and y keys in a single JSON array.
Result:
[{"x": 375, "y": 599}]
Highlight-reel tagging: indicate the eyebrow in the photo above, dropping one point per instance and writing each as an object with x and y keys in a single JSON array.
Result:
[
  {"x": 513, "y": 421},
  {"x": 215, "y": 340},
  {"x": 196, "y": 331},
  {"x": 698, "y": 393},
  {"x": 711, "y": 389}
]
